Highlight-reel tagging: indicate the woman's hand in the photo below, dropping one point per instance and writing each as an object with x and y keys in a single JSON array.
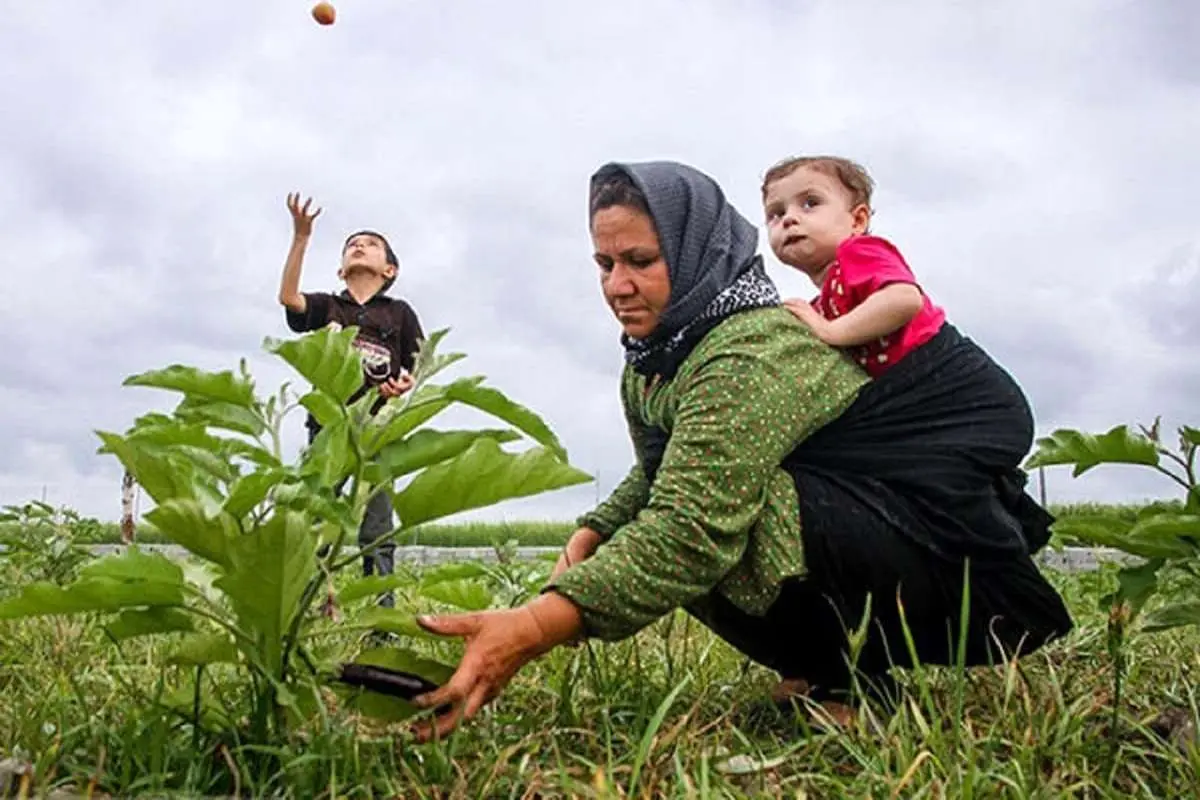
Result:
[
  {"x": 580, "y": 547},
  {"x": 498, "y": 644},
  {"x": 302, "y": 221}
]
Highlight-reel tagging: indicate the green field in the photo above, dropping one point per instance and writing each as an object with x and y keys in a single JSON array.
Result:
[
  {"x": 666, "y": 711},
  {"x": 533, "y": 533},
  {"x": 673, "y": 712}
]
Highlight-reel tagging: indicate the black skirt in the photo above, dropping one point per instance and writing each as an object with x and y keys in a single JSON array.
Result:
[
  {"x": 913, "y": 498},
  {"x": 933, "y": 447}
]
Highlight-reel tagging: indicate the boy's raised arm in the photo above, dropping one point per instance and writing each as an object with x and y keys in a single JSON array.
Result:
[{"x": 290, "y": 295}]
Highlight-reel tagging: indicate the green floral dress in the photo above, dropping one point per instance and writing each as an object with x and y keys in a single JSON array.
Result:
[{"x": 721, "y": 514}]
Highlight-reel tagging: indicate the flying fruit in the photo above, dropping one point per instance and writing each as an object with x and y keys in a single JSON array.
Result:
[{"x": 324, "y": 13}]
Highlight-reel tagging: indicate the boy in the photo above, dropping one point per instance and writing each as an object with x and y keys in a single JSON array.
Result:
[{"x": 388, "y": 338}]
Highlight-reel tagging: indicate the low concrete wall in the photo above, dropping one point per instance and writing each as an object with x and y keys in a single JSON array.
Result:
[{"x": 1069, "y": 559}]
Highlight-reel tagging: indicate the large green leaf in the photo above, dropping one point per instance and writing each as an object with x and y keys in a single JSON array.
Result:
[
  {"x": 329, "y": 458},
  {"x": 371, "y": 586},
  {"x": 1188, "y": 435},
  {"x": 326, "y": 358},
  {"x": 1173, "y": 616},
  {"x": 160, "y": 477},
  {"x": 465, "y": 594},
  {"x": 173, "y": 433},
  {"x": 428, "y": 361},
  {"x": 1107, "y": 531},
  {"x": 386, "y": 707},
  {"x": 454, "y": 571},
  {"x": 250, "y": 490},
  {"x": 395, "y": 421},
  {"x": 427, "y": 447},
  {"x": 235, "y": 448},
  {"x": 1085, "y": 450},
  {"x": 190, "y": 442},
  {"x": 217, "y": 414},
  {"x": 214, "y": 465},
  {"x": 146, "y": 621},
  {"x": 481, "y": 476},
  {"x": 324, "y": 408},
  {"x": 204, "y": 648},
  {"x": 224, "y": 387},
  {"x": 1182, "y": 530},
  {"x": 129, "y": 580},
  {"x": 186, "y": 524},
  {"x": 498, "y": 405},
  {"x": 1137, "y": 584},
  {"x": 391, "y": 620},
  {"x": 268, "y": 572}
]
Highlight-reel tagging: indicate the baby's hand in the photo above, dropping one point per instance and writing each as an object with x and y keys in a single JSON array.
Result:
[{"x": 804, "y": 311}]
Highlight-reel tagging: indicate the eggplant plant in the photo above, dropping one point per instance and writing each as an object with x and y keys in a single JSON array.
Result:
[
  {"x": 1164, "y": 540},
  {"x": 268, "y": 535}
]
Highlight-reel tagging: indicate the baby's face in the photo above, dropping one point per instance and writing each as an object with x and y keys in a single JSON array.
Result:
[{"x": 809, "y": 213}]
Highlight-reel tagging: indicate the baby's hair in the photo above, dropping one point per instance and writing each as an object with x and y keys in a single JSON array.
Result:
[
  {"x": 852, "y": 175},
  {"x": 615, "y": 187}
]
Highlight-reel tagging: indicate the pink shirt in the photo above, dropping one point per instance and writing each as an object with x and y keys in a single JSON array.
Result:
[{"x": 864, "y": 265}]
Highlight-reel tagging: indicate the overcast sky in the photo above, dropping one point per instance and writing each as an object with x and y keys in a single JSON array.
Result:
[{"x": 1036, "y": 163}]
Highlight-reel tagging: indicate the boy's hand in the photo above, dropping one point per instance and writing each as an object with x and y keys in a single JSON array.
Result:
[
  {"x": 804, "y": 311},
  {"x": 302, "y": 221},
  {"x": 394, "y": 387}
]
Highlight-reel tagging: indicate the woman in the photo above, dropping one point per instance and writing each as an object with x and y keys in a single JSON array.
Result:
[{"x": 767, "y": 498}]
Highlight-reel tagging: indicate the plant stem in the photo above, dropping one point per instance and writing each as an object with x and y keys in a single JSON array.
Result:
[
  {"x": 328, "y": 567},
  {"x": 1187, "y": 487},
  {"x": 371, "y": 548},
  {"x": 216, "y": 619}
]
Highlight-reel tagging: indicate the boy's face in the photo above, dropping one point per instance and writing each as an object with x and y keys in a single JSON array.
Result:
[
  {"x": 809, "y": 213},
  {"x": 365, "y": 253}
]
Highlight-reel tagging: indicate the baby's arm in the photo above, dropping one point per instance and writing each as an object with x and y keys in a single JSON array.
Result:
[
  {"x": 884, "y": 312},
  {"x": 883, "y": 290}
]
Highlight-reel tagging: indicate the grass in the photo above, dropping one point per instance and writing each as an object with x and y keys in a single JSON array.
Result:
[{"x": 661, "y": 715}]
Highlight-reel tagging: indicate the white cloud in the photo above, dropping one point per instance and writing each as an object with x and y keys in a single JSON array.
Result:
[{"x": 1035, "y": 162}]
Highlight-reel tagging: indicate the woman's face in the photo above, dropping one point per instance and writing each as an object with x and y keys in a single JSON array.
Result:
[{"x": 633, "y": 273}]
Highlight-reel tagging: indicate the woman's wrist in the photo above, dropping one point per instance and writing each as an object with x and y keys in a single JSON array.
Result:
[
  {"x": 557, "y": 618},
  {"x": 588, "y": 537}
]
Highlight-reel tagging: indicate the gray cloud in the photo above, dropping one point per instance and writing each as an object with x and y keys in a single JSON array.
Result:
[{"x": 1035, "y": 164}]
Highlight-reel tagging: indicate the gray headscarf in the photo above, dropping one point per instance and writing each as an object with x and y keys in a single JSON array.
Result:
[{"x": 712, "y": 259}]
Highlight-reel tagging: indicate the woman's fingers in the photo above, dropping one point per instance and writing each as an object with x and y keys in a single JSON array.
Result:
[
  {"x": 479, "y": 697},
  {"x": 452, "y": 693},
  {"x": 465, "y": 704},
  {"x": 451, "y": 624},
  {"x": 438, "y": 727}
]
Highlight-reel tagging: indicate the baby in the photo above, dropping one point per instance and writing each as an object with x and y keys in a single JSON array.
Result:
[{"x": 818, "y": 212}]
